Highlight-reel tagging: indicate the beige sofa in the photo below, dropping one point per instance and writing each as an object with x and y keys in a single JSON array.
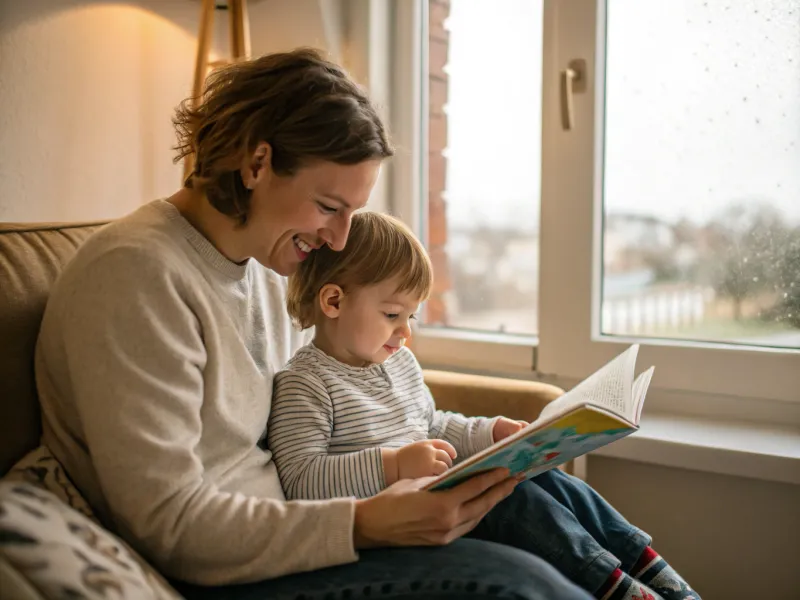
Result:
[{"x": 51, "y": 544}]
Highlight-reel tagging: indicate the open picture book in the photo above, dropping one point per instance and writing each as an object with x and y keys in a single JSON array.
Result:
[{"x": 601, "y": 409}]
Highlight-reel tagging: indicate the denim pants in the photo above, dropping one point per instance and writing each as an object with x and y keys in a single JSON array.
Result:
[
  {"x": 564, "y": 521},
  {"x": 553, "y": 517},
  {"x": 468, "y": 568}
]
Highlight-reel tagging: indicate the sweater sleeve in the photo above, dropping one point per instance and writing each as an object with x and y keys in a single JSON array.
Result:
[
  {"x": 299, "y": 434},
  {"x": 136, "y": 357},
  {"x": 468, "y": 435}
]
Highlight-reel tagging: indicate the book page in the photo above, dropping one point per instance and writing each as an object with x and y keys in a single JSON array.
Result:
[
  {"x": 639, "y": 390},
  {"x": 610, "y": 387}
]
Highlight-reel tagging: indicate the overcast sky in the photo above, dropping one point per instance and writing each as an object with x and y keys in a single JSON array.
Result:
[{"x": 703, "y": 108}]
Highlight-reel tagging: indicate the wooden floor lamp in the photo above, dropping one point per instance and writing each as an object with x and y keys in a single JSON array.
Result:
[{"x": 239, "y": 27}]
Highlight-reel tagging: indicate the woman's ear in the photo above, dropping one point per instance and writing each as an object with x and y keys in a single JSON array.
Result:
[
  {"x": 257, "y": 165},
  {"x": 330, "y": 298}
]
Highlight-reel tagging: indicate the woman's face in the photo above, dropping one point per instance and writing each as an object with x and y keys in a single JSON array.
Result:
[{"x": 292, "y": 216}]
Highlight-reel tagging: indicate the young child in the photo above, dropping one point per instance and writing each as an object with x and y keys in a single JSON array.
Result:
[{"x": 351, "y": 415}]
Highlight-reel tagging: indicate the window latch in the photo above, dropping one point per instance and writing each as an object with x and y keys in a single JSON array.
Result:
[{"x": 573, "y": 81}]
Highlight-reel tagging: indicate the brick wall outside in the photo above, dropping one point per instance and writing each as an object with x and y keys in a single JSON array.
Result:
[{"x": 437, "y": 163}]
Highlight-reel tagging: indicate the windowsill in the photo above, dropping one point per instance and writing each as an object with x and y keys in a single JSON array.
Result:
[
  {"x": 453, "y": 349},
  {"x": 760, "y": 451},
  {"x": 471, "y": 335},
  {"x": 758, "y": 438}
]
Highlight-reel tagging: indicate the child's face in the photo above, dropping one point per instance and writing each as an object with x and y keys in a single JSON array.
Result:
[{"x": 374, "y": 322}]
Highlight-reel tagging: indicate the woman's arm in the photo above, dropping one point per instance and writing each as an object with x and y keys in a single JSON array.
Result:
[
  {"x": 299, "y": 435},
  {"x": 135, "y": 361},
  {"x": 402, "y": 515}
]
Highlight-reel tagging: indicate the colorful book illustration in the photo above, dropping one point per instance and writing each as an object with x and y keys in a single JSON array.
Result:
[{"x": 601, "y": 409}]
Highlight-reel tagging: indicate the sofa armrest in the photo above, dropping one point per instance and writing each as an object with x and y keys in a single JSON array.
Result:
[{"x": 480, "y": 395}]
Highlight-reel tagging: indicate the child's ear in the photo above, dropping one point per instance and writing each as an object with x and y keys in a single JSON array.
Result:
[{"x": 330, "y": 298}]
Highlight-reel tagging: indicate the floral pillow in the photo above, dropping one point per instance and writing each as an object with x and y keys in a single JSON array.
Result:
[
  {"x": 64, "y": 554},
  {"x": 43, "y": 470}
]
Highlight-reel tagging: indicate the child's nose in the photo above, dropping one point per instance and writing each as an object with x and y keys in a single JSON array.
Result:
[{"x": 404, "y": 331}]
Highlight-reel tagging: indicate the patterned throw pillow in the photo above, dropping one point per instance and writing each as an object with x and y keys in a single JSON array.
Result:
[
  {"x": 43, "y": 470},
  {"x": 64, "y": 554}
]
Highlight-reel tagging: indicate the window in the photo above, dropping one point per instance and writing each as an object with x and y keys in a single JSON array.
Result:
[
  {"x": 484, "y": 178},
  {"x": 668, "y": 199}
]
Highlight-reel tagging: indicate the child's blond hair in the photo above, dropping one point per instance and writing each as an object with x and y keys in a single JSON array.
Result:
[{"x": 378, "y": 248}]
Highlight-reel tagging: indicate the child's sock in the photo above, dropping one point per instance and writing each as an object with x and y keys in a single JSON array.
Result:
[
  {"x": 654, "y": 571},
  {"x": 620, "y": 586}
]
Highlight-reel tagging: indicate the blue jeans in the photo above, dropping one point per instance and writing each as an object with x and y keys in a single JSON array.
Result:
[
  {"x": 467, "y": 568},
  {"x": 564, "y": 521},
  {"x": 553, "y": 517}
]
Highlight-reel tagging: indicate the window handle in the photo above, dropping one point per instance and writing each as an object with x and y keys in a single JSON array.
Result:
[{"x": 573, "y": 81}]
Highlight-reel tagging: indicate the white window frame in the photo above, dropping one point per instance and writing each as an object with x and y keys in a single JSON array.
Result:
[{"x": 738, "y": 382}]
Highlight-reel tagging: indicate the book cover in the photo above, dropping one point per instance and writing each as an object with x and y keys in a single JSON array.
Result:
[{"x": 574, "y": 434}]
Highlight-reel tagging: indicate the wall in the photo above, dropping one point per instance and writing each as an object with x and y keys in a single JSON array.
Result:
[
  {"x": 732, "y": 538},
  {"x": 88, "y": 89}
]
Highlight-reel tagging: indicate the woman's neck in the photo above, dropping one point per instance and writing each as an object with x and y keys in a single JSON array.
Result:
[{"x": 216, "y": 227}]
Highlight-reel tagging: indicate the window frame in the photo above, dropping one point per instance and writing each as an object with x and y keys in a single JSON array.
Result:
[{"x": 757, "y": 380}]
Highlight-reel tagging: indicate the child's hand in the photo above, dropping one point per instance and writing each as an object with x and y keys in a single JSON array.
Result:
[
  {"x": 506, "y": 427},
  {"x": 420, "y": 459}
]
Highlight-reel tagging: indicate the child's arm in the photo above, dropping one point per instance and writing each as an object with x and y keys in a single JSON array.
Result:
[
  {"x": 299, "y": 433},
  {"x": 468, "y": 435}
]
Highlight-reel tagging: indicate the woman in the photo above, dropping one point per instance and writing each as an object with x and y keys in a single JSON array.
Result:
[{"x": 161, "y": 338}]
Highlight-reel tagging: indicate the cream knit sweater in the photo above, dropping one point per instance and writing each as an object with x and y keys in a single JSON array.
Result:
[{"x": 154, "y": 368}]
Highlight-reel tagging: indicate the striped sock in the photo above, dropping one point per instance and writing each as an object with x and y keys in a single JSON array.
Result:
[
  {"x": 655, "y": 572},
  {"x": 620, "y": 586}
]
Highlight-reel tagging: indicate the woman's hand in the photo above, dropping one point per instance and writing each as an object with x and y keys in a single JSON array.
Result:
[
  {"x": 420, "y": 459},
  {"x": 404, "y": 515},
  {"x": 506, "y": 427}
]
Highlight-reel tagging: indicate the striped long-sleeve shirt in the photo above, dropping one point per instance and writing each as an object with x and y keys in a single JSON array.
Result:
[{"x": 330, "y": 420}]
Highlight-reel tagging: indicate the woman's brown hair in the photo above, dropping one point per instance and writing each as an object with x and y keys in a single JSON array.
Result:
[
  {"x": 304, "y": 106},
  {"x": 378, "y": 248}
]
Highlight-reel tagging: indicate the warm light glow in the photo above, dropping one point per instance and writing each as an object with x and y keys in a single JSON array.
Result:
[{"x": 173, "y": 25}]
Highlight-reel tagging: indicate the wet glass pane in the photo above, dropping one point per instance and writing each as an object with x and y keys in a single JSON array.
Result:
[{"x": 701, "y": 231}]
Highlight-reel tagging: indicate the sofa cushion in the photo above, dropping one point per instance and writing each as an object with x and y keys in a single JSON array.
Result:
[
  {"x": 31, "y": 257},
  {"x": 62, "y": 554}
]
